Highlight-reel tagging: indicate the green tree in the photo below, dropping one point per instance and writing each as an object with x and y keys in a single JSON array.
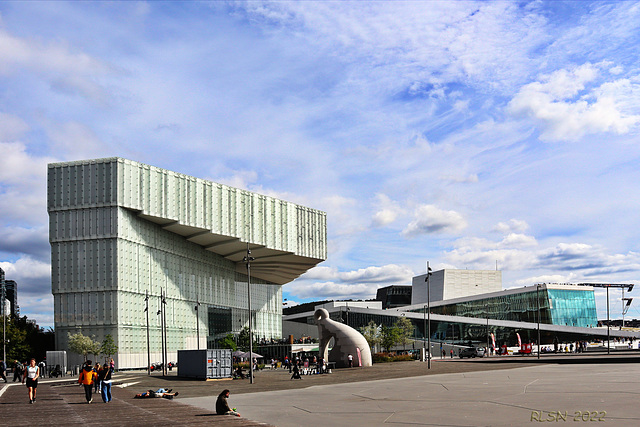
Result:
[
  {"x": 108, "y": 347},
  {"x": 243, "y": 339},
  {"x": 389, "y": 336},
  {"x": 17, "y": 346},
  {"x": 26, "y": 340},
  {"x": 84, "y": 345},
  {"x": 371, "y": 333},
  {"x": 405, "y": 330},
  {"x": 228, "y": 342}
]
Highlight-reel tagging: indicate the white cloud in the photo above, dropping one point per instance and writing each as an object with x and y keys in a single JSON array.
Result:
[
  {"x": 547, "y": 278},
  {"x": 467, "y": 179},
  {"x": 385, "y": 274},
  {"x": 511, "y": 226},
  {"x": 23, "y": 183},
  {"x": 65, "y": 69},
  {"x": 567, "y": 105},
  {"x": 76, "y": 140},
  {"x": 11, "y": 127},
  {"x": 388, "y": 211},
  {"x": 515, "y": 240},
  {"x": 431, "y": 220},
  {"x": 331, "y": 290}
]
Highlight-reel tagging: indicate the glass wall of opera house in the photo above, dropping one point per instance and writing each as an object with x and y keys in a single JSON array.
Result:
[
  {"x": 465, "y": 309},
  {"x": 122, "y": 231}
]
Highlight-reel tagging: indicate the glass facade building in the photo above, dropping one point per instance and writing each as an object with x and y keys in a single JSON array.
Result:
[
  {"x": 121, "y": 231},
  {"x": 559, "y": 305}
]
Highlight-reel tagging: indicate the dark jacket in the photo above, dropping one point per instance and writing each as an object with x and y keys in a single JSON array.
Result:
[
  {"x": 222, "y": 407},
  {"x": 105, "y": 374}
]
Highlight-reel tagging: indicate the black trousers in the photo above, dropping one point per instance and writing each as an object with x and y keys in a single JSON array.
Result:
[{"x": 88, "y": 388}]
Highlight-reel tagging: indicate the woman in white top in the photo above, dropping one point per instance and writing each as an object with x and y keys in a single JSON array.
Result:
[{"x": 31, "y": 376}]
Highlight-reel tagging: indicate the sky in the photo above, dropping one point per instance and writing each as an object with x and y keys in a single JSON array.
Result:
[{"x": 473, "y": 135}]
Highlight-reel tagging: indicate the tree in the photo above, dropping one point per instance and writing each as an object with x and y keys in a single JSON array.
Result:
[
  {"x": 228, "y": 342},
  {"x": 108, "y": 347},
  {"x": 26, "y": 340},
  {"x": 405, "y": 330},
  {"x": 389, "y": 336},
  {"x": 243, "y": 339},
  {"x": 84, "y": 345},
  {"x": 371, "y": 333}
]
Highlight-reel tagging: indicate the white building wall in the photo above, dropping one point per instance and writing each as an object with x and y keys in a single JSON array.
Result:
[{"x": 449, "y": 284}]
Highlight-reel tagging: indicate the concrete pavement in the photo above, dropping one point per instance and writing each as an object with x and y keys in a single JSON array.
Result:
[
  {"x": 559, "y": 393},
  {"x": 498, "y": 391}
]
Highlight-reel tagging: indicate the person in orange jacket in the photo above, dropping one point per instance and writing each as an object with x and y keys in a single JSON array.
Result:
[{"x": 87, "y": 377}]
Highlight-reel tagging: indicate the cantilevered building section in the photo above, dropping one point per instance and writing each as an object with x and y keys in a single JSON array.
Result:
[{"x": 120, "y": 230}]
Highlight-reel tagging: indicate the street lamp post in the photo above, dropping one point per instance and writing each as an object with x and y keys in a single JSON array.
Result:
[
  {"x": 247, "y": 260},
  {"x": 198, "y": 322},
  {"x": 608, "y": 325},
  {"x": 538, "y": 305},
  {"x": 4, "y": 318},
  {"x": 428, "y": 316},
  {"x": 146, "y": 309}
]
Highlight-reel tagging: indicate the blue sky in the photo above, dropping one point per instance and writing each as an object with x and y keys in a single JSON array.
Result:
[{"x": 462, "y": 133}]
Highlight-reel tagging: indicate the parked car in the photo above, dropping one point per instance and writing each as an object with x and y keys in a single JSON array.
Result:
[{"x": 471, "y": 352}]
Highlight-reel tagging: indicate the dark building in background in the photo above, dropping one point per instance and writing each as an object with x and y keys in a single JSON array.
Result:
[
  {"x": 394, "y": 296},
  {"x": 9, "y": 290}
]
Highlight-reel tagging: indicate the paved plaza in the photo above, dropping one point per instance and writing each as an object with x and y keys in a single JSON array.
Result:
[{"x": 482, "y": 392}]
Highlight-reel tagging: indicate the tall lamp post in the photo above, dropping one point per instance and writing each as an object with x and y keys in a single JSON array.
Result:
[
  {"x": 146, "y": 309},
  {"x": 198, "y": 321},
  {"x": 608, "y": 325},
  {"x": 4, "y": 317},
  {"x": 538, "y": 305},
  {"x": 247, "y": 260},
  {"x": 428, "y": 316}
]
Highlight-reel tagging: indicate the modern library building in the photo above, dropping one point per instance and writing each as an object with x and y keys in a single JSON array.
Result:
[{"x": 132, "y": 244}]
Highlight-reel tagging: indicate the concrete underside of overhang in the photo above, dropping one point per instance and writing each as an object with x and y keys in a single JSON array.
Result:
[{"x": 275, "y": 266}]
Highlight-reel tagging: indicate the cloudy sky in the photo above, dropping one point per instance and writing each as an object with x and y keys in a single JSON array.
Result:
[{"x": 467, "y": 134}]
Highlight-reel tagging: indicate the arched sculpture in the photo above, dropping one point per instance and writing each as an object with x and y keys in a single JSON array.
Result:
[{"x": 348, "y": 341}]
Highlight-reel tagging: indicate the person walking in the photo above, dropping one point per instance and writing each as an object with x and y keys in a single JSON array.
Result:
[
  {"x": 105, "y": 382},
  {"x": 17, "y": 372},
  {"x": 87, "y": 378},
  {"x": 350, "y": 359},
  {"x": 43, "y": 369},
  {"x": 3, "y": 369},
  {"x": 31, "y": 377},
  {"x": 96, "y": 385},
  {"x": 452, "y": 353}
]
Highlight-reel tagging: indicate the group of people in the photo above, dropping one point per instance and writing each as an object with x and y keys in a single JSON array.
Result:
[
  {"x": 19, "y": 370},
  {"x": 97, "y": 378}
]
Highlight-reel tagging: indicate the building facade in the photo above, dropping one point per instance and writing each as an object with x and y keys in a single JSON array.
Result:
[
  {"x": 9, "y": 293},
  {"x": 123, "y": 234},
  {"x": 449, "y": 284},
  {"x": 394, "y": 296}
]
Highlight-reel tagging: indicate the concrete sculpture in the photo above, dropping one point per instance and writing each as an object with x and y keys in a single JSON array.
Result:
[{"x": 348, "y": 341}]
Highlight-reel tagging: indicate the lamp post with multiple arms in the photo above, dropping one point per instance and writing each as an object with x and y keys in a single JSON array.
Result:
[{"x": 247, "y": 260}]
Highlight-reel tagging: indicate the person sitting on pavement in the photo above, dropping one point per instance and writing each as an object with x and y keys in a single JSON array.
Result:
[
  {"x": 222, "y": 406},
  {"x": 239, "y": 372}
]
